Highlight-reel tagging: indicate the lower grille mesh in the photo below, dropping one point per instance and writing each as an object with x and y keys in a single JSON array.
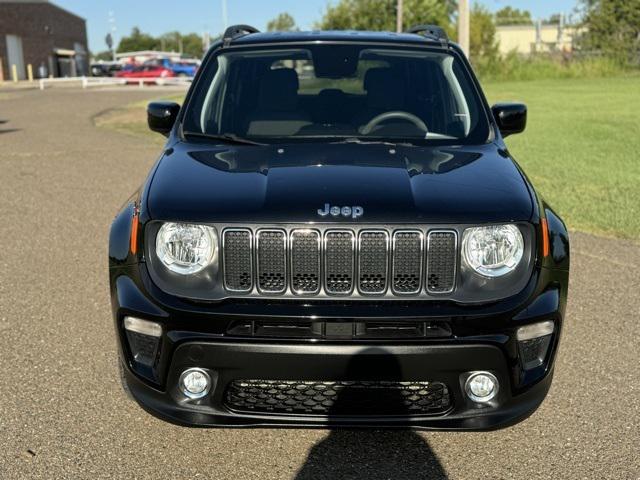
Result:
[{"x": 356, "y": 398}]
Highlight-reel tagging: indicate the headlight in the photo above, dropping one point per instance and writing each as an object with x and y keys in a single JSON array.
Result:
[
  {"x": 493, "y": 251},
  {"x": 186, "y": 249}
]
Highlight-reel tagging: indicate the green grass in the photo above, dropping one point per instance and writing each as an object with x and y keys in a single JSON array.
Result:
[
  {"x": 581, "y": 148},
  {"x": 132, "y": 119}
]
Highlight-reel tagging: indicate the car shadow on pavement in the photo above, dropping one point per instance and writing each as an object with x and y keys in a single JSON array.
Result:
[
  {"x": 371, "y": 454},
  {"x": 7, "y": 130}
]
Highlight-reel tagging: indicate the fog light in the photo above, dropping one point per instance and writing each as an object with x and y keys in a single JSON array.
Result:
[
  {"x": 481, "y": 386},
  {"x": 195, "y": 383},
  {"x": 533, "y": 343}
]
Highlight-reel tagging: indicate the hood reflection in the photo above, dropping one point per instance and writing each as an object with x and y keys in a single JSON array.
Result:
[{"x": 415, "y": 160}]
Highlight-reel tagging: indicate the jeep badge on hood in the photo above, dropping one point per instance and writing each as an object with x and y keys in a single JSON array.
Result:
[{"x": 353, "y": 212}]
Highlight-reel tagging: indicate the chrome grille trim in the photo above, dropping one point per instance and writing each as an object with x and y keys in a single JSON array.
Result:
[
  {"x": 430, "y": 266},
  {"x": 344, "y": 280},
  {"x": 298, "y": 276},
  {"x": 225, "y": 260},
  {"x": 265, "y": 285},
  {"x": 385, "y": 283},
  {"x": 404, "y": 263}
]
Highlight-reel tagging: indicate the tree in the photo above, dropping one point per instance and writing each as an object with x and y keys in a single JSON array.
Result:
[
  {"x": 282, "y": 23},
  {"x": 170, "y": 42},
  {"x": 104, "y": 55},
  {"x": 483, "y": 46},
  {"x": 513, "y": 16},
  {"x": 553, "y": 19},
  {"x": 613, "y": 27},
  {"x": 137, "y": 41},
  {"x": 192, "y": 45},
  {"x": 381, "y": 14}
]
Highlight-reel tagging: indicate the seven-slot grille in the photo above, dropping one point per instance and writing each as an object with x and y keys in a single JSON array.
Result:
[{"x": 339, "y": 262}]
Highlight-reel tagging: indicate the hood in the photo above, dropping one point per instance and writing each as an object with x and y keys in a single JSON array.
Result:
[{"x": 290, "y": 183}]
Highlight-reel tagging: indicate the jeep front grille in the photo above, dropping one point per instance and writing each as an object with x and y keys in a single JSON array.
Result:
[{"x": 339, "y": 261}]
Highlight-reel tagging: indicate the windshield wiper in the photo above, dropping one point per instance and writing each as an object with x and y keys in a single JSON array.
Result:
[
  {"x": 371, "y": 142},
  {"x": 224, "y": 137}
]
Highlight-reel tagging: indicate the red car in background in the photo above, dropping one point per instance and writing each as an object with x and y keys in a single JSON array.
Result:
[{"x": 149, "y": 71}]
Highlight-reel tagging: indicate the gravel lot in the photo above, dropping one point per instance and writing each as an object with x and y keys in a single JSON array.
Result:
[{"x": 62, "y": 411}]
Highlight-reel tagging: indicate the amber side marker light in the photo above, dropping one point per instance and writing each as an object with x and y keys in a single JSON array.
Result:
[
  {"x": 545, "y": 237},
  {"x": 133, "y": 245}
]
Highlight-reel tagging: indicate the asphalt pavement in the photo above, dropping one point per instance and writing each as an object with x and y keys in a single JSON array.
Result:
[{"x": 62, "y": 411}]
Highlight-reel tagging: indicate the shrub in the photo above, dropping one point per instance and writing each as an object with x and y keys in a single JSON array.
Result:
[{"x": 517, "y": 67}]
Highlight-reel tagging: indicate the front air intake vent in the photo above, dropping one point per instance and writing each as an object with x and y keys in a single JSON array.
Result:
[
  {"x": 441, "y": 261},
  {"x": 272, "y": 261},
  {"x": 374, "y": 261},
  {"x": 238, "y": 265},
  {"x": 305, "y": 261},
  {"x": 408, "y": 259},
  {"x": 335, "y": 398},
  {"x": 339, "y": 251}
]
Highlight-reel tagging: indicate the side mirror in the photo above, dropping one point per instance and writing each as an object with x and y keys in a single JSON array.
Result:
[
  {"x": 161, "y": 116},
  {"x": 510, "y": 117}
]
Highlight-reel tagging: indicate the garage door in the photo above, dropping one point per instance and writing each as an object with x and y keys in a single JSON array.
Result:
[{"x": 15, "y": 56}]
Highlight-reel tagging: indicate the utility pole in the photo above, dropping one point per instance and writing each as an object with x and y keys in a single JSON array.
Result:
[
  {"x": 463, "y": 25},
  {"x": 112, "y": 23},
  {"x": 225, "y": 19},
  {"x": 399, "y": 17}
]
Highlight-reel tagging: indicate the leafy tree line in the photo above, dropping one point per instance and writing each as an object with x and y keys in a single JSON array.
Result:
[
  {"x": 190, "y": 44},
  {"x": 381, "y": 15},
  {"x": 612, "y": 27}
]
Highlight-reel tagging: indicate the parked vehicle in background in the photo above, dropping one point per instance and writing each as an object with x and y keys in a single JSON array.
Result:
[
  {"x": 181, "y": 69},
  {"x": 105, "y": 69},
  {"x": 146, "y": 71}
]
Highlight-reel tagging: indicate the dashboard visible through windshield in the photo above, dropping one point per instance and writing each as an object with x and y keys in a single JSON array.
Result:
[{"x": 328, "y": 92}]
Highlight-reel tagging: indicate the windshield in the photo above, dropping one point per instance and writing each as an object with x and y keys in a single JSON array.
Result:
[{"x": 337, "y": 92}]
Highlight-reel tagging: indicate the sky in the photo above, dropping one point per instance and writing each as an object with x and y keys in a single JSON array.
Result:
[{"x": 161, "y": 16}]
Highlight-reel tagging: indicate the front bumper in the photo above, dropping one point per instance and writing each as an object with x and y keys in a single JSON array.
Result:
[
  {"x": 231, "y": 361},
  {"x": 478, "y": 341}
]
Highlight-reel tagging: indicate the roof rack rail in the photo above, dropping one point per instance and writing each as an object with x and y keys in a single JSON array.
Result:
[
  {"x": 235, "y": 31},
  {"x": 432, "y": 30}
]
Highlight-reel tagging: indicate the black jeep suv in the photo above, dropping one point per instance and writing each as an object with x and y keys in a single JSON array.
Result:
[{"x": 336, "y": 234}]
